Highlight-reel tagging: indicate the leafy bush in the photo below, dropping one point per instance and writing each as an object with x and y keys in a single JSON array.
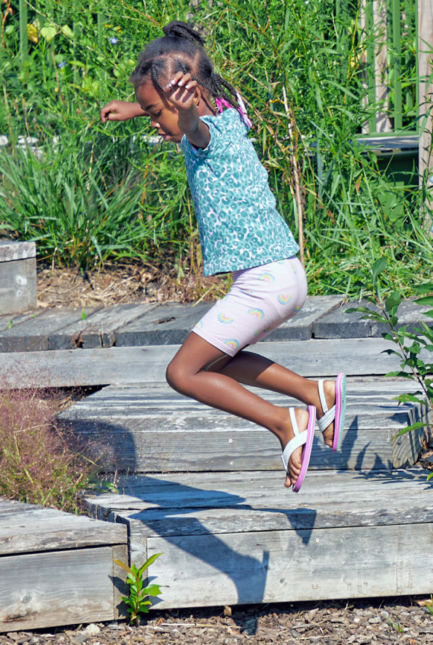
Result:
[{"x": 39, "y": 464}]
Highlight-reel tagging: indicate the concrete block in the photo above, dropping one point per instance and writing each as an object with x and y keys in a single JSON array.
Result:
[{"x": 17, "y": 276}]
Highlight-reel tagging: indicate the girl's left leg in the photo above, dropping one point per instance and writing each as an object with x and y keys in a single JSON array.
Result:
[{"x": 186, "y": 375}]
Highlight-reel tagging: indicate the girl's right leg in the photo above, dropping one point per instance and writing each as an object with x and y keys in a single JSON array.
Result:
[{"x": 255, "y": 370}]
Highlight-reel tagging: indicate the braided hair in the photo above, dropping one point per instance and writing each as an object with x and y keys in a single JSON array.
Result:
[{"x": 183, "y": 46}]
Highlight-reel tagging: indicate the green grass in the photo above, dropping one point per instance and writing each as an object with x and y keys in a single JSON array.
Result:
[{"x": 99, "y": 197}]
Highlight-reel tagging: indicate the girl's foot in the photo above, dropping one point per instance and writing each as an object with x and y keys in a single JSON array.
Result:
[
  {"x": 330, "y": 397},
  {"x": 286, "y": 435}
]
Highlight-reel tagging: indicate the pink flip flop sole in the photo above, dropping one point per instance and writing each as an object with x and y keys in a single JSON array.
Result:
[
  {"x": 340, "y": 410},
  {"x": 306, "y": 450}
]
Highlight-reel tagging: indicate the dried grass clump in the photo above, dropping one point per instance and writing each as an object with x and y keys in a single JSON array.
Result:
[{"x": 39, "y": 462}]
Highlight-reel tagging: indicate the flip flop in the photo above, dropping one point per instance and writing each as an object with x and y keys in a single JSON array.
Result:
[
  {"x": 337, "y": 413},
  {"x": 304, "y": 438}
]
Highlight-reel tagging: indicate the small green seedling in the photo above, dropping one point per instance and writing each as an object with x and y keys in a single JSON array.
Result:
[
  {"x": 136, "y": 601},
  {"x": 398, "y": 628},
  {"x": 83, "y": 315}
]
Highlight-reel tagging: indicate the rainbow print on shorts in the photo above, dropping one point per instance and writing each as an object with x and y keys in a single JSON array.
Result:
[
  {"x": 257, "y": 313},
  {"x": 232, "y": 342},
  {"x": 298, "y": 307},
  {"x": 283, "y": 299},
  {"x": 266, "y": 277},
  {"x": 225, "y": 319},
  {"x": 199, "y": 325}
]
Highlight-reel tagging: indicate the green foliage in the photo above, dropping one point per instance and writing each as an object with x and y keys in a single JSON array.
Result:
[
  {"x": 132, "y": 200},
  {"x": 409, "y": 344},
  {"x": 136, "y": 601}
]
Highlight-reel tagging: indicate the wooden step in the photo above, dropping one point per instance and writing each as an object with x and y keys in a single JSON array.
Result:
[
  {"x": 57, "y": 568},
  {"x": 154, "y": 429},
  {"x": 61, "y": 368},
  {"x": 235, "y": 538}
]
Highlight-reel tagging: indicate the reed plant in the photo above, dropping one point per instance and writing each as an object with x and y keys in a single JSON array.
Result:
[{"x": 104, "y": 192}]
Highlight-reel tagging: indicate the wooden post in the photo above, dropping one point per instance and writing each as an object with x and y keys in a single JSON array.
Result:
[
  {"x": 425, "y": 70},
  {"x": 374, "y": 20}
]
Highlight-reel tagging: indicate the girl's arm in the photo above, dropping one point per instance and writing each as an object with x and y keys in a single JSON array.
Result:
[
  {"x": 120, "y": 111},
  {"x": 184, "y": 94}
]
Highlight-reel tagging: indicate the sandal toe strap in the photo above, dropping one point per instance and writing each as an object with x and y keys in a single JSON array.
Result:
[
  {"x": 297, "y": 441},
  {"x": 327, "y": 419}
]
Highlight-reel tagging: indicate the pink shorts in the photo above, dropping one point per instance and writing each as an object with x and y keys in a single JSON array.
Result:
[{"x": 259, "y": 301}]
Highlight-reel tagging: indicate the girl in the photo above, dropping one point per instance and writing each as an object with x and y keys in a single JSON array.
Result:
[{"x": 240, "y": 231}]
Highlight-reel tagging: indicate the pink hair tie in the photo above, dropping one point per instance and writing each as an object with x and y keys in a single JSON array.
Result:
[{"x": 222, "y": 103}]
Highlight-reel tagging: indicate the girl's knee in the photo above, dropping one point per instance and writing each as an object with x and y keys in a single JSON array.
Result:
[{"x": 177, "y": 377}]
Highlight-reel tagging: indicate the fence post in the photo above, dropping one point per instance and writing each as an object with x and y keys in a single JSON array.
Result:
[
  {"x": 380, "y": 27},
  {"x": 425, "y": 93}
]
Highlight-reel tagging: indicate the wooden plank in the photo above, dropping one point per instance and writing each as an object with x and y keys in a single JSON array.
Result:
[
  {"x": 56, "y": 588},
  {"x": 17, "y": 285},
  {"x": 11, "y": 251},
  {"x": 100, "y": 328},
  {"x": 313, "y": 358},
  {"x": 172, "y": 433},
  {"x": 27, "y": 528},
  {"x": 8, "y": 321},
  {"x": 293, "y": 566},
  {"x": 34, "y": 334},
  {"x": 120, "y": 587},
  {"x": 196, "y": 504},
  {"x": 425, "y": 89},
  {"x": 340, "y": 324},
  {"x": 380, "y": 26},
  {"x": 165, "y": 325}
]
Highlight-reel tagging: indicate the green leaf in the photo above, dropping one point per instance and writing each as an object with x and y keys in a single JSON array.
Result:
[
  {"x": 427, "y": 300},
  {"x": 424, "y": 288},
  {"x": 378, "y": 267},
  {"x": 83, "y": 315},
  {"x": 430, "y": 476},
  {"x": 123, "y": 566},
  {"x": 48, "y": 32},
  {"x": 151, "y": 590},
  {"x": 67, "y": 31},
  {"x": 414, "y": 426},
  {"x": 148, "y": 562},
  {"x": 393, "y": 301},
  {"x": 404, "y": 398}
]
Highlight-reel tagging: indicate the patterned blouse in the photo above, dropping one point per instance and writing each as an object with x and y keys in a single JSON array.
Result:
[{"x": 238, "y": 223}]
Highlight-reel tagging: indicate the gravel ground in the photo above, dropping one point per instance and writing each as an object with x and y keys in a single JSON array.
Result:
[{"x": 358, "y": 622}]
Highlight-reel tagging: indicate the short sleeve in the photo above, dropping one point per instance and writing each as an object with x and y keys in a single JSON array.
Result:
[{"x": 223, "y": 129}]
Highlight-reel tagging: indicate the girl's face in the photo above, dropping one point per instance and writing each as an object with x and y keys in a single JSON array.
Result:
[{"x": 163, "y": 115}]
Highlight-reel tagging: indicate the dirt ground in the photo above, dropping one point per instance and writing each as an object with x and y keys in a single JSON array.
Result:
[
  {"x": 122, "y": 284},
  {"x": 337, "y": 623}
]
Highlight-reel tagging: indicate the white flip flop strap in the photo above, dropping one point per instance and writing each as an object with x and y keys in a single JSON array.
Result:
[
  {"x": 322, "y": 397},
  {"x": 327, "y": 419},
  {"x": 298, "y": 440}
]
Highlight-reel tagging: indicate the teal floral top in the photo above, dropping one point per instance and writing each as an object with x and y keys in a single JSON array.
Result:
[{"x": 238, "y": 223}]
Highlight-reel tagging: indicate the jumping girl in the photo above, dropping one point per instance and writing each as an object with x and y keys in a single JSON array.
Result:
[{"x": 240, "y": 232}]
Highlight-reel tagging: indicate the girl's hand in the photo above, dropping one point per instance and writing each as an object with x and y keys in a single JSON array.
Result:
[
  {"x": 181, "y": 91},
  {"x": 120, "y": 111}
]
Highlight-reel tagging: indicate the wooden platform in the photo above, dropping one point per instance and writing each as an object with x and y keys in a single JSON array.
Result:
[
  {"x": 231, "y": 538},
  {"x": 57, "y": 568}
]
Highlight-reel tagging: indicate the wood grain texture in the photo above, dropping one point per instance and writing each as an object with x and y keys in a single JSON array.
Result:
[
  {"x": 120, "y": 588},
  {"x": 275, "y": 566},
  {"x": 56, "y": 588},
  {"x": 313, "y": 358},
  {"x": 27, "y": 528},
  {"x": 155, "y": 429},
  {"x": 100, "y": 328},
  {"x": 13, "y": 251},
  {"x": 165, "y": 325},
  {"x": 199, "y": 504},
  {"x": 34, "y": 333}
]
